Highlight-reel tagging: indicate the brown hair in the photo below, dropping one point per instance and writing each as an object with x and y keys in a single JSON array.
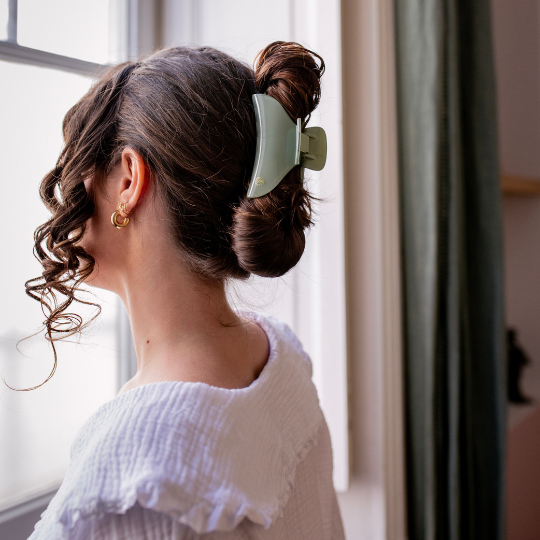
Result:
[{"x": 188, "y": 112}]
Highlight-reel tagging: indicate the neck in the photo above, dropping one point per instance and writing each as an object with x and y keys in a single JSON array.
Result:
[
  {"x": 178, "y": 322},
  {"x": 183, "y": 327}
]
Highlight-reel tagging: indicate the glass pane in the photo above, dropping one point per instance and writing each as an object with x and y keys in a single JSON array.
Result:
[
  {"x": 4, "y": 17},
  {"x": 78, "y": 29},
  {"x": 37, "y": 427}
]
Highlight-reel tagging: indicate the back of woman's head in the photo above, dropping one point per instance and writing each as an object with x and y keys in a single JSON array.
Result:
[{"x": 188, "y": 112}]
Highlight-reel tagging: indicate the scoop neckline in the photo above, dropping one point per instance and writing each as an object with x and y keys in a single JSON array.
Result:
[{"x": 267, "y": 328}]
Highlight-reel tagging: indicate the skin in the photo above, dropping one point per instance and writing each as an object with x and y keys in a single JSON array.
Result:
[{"x": 183, "y": 328}]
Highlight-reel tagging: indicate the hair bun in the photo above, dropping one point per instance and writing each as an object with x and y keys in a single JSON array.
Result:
[
  {"x": 288, "y": 72},
  {"x": 268, "y": 232}
]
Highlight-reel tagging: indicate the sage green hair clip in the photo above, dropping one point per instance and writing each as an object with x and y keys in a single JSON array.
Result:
[{"x": 281, "y": 145}]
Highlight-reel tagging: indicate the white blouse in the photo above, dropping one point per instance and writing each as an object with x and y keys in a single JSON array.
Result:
[{"x": 177, "y": 460}]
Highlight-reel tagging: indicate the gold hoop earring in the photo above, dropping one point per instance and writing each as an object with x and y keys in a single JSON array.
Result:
[{"x": 114, "y": 217}]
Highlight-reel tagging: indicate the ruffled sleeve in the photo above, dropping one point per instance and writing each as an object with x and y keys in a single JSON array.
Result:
[
  {"x": 191, "y": 456},
  {"x": 139, "y": 523}
]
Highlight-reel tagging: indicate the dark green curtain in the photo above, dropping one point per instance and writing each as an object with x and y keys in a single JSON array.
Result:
[{"x": 452, "y": 270}]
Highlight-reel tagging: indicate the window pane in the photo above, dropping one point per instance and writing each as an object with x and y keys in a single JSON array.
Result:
[
  {"x": 4, "y": 17},
  {"x": 37, "y": 427},
  {"x": 78, "y": 29}
]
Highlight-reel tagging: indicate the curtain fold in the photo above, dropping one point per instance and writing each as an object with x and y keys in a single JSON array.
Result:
[{"x": 452, "y": 270}]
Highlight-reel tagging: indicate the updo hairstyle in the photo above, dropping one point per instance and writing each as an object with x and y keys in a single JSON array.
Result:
[{"x": 188, "y": 112}]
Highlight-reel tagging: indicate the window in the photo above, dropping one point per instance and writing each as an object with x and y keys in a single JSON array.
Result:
[
  {"x": 40, "y": 81},
  {"x": 77, "y": 29},
  {"x": 45, "y": 75}
]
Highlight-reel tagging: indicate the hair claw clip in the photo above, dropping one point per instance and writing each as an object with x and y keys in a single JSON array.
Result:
[{"x": 281, "y": 145}]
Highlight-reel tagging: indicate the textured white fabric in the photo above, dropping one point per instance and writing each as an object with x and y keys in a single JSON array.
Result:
[{"x": 176, "y": 460}]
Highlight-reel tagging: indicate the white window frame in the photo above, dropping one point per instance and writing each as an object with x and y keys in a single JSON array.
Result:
[{"x": 374, "y": 508}]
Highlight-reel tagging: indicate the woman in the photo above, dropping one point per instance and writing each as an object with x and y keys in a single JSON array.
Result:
[{"x": 220, "y": 432}]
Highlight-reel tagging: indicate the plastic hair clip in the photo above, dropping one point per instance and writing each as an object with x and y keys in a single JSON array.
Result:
[{"x": 281, "y": 145}]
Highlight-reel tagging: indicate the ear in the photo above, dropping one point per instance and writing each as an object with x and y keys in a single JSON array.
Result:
[{"x": 135, "y": 178}]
